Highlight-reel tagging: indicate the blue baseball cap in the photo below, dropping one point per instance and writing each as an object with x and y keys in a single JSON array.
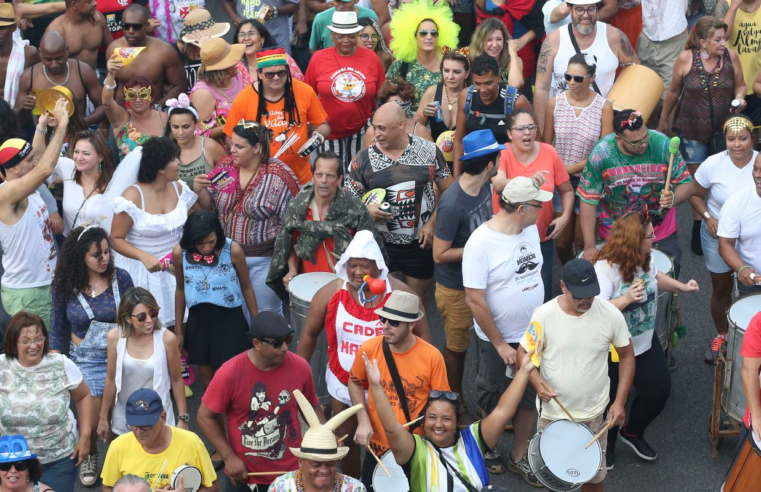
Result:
[
  {"x": 479, "y": 143},
  {"x": 14, "y": 448},
  {"x": 144, "y": 407}
]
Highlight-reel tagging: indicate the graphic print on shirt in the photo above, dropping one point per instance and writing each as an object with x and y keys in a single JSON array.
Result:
[
  {"x": 527, "y": 273},
  {"x": 250, "y": 8},
  {"x": 402, "y": 199},
  {"x": 267, "y": 429},
  {"x": 348, "y": 84},
  {"x": 746, "y": 38},
  {"x": 43, "y": 222},
  {"x": 637, "y": 187}
]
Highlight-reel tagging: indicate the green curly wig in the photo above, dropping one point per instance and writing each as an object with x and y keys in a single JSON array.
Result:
[{"x": 408, "y": 17}]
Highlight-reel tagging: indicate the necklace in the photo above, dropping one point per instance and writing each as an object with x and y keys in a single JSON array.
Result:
[
  {"x": 68, "y": 74},
  {"x": 751, "y": 9},
  {"x": 449, "y": 101},
  {"x": 705, "y": 75},
  {"x": 94, "y": 287},
  {"x": 300, "y": 487}
]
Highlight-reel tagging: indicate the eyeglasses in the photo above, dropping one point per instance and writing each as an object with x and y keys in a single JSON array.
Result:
[
  {"x": 422, "y": 34},
  {"x": 27, "y": 342},
  {"x": 523, "y": 128},
  {"x": 588, "y": 10},
  {"x": 153, "y": 313},
  {"x": 277, "y": 343},
  {"x": 126, "y": 26},
  {"x": 532, "y": 205},
  {"x": 248, "y": 34},
  {"x": 439, "y": 395},
  {"x": 391, "y": 322},
  {"x": 18, "y": 465},
  {"x": 131, "y": 94},
  {"x": 576, "y": 78},
  {"x": 651, "y": 236},
  {"x": 366, "y": 37},
  {"x": 144, "y": 428},
  {"x": 281, "y": 74},
  {"x": 341, "y": 36},
  {"x": 638, "y": 143}
]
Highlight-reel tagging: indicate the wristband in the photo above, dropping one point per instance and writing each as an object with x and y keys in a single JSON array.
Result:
[
  {"x": 741, "y": 269},
  {"x": 41, "y": 132},
  {"x": 707, "y": 215}
]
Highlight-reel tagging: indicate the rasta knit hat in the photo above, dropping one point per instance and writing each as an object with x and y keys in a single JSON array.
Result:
[{"x": 270, "y": 57}]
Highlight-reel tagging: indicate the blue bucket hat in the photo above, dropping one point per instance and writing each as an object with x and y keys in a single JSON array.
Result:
[
  {"x": 479, "y": 143},
  {"x": 14, "y": 448}
]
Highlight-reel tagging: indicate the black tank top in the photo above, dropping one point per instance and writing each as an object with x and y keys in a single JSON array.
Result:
[
  {"x": 497, "y": 126},
  {"x": 438, "y": 127}
]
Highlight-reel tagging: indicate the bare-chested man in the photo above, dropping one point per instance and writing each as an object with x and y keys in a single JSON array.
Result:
[
  {"x": 160, "y": 62},
  {"x": 57, "y": 69},
  {"x": 85, "y": 30},
  {"x": 15, "y": 54}
]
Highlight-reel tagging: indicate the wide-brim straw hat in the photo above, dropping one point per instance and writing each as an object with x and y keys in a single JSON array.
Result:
[
  {"x": 401, "y": 306},
  {"x": 200, "y": 20},
  {"x": 319, "y": 442},
  {"x": 217, "y": 54},
  {"x": 344, "y": 23}
]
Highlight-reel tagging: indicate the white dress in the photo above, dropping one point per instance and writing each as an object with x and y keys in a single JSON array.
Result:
[
  {"x": 92, "y": 210},
  {"x": 156, "y": 235}
]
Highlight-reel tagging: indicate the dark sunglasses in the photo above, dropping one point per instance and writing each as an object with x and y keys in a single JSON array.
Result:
[
  {"x": 281, "y": 74},
  {"x": 144, "y": 428},
  {"x": 128, "y": 25},
  {"x": 443, "y": 395},
  {"x": 153, "y": 313},
  {"x": 19, "y": 465},
  {"x": 391, "y": 322},
  {"x": 277, "y": 343},
  {"x": 576, "y": 78},
  {"x": 423, "y": 34}
]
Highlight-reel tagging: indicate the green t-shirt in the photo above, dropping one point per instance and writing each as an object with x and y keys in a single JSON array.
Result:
[
  {"x": 321, "y": 34},
  {"x": 418, "y": 76}
]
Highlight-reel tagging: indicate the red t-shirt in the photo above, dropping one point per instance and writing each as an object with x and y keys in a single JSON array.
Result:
[
  {"x": 751, "y": 347},
  {"x": 347, "y": 87},
  {"x": 112, "y": 11},
  {"x": 261, "y": 412},
  {"x": 322, "y": 265},
  {"x": 546, "y": 160}
]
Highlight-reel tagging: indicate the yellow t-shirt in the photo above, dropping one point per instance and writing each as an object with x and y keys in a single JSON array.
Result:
[
  {"x": 745, "y": 40},
  {"x": 126, "y": 456}
]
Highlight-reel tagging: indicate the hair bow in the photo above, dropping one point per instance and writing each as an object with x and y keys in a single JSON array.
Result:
[
  {"x": 590, "y": 60},
  {"x": 631, "y": 120},
  {"x": 182, "y": 102},
  {"x": 464, "y": 51},
  {"x": 209, "y": 259}
]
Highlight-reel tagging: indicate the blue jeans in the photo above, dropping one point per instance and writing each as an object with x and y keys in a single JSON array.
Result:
[
  {"x": 266, "y": 299},
  {"x": 60, "y": 475},
  {"x": 548, "y": 255}
]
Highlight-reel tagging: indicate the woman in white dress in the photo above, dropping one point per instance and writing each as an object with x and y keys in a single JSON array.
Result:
[{"x": 148, "y": 222}]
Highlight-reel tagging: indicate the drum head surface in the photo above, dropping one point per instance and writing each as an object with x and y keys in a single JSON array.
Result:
[
  {"x": 741, "y": 312},
  {"x": 662, "y": 262},
  {"x": 306, "y": 285},
  {"x": 191, "y": 478},
  {"x": 397, "y": 482},
  {"x": 562, "y": 449}
]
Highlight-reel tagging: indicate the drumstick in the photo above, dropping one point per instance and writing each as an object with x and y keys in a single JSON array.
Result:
[
  {"x": 369, "y": 450},
  {"x": 413, "y": 421},
  {"x": 344, "y": 437},
  {"x": 158, "y": 475},
  {"x": 602, "y": 431},
  {"x": 673, "y": 149},
  {"x": 560, "y": 405},
  {"x": 256, "y": 474}
]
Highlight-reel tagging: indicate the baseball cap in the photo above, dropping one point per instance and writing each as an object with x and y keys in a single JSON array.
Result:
[
  {"x": 522, "y": 189},
  {"x": 580, "y": 278},
  {"x": 269, "y": 325},
  {"x": 144, "y": 407}
]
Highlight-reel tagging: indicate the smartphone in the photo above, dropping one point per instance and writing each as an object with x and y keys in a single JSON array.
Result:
[{"x": 549, "y": 230}]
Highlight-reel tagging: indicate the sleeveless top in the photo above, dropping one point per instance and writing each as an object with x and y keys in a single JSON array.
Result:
[
  {"x": 607, "y": 61},
  {"x": 223, "y": 100},
  {"x": 576, "y": 135},
  {"x": 347, "y": 325},
  {"x": 746, "y": 42},
  {"x": 216, "y": 285},
  {"x": 498, "y": 127},
  {"x": 195, "y": 167},
  {"x": 130, "y": 137},
  {"x": 439, "y": 127},
  {"x": 693, "y": 116}
]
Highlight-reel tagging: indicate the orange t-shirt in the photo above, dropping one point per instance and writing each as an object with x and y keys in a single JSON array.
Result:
[
  {"x": 546, "y": 160},
  {"x": 421, "y": 369},
  {"x": 310, "y": 111}
]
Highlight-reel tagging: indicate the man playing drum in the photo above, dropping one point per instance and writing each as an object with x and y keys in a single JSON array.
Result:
[
  {"x": 346, "y": 309},
  {"x": 575, "y": 333}
]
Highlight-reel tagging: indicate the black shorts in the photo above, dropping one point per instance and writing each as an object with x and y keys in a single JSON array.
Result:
[{"x": 411, "y": 260}]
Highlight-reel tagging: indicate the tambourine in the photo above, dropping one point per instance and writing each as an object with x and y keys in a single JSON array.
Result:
[
  {"x": 311, "y": 145},
  {"x": 191, "y": 478}
]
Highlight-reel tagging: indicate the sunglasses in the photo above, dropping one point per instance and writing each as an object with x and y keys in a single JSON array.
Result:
[
  {"x": 126, "y": 26},
  {"x": 144, "y": 94},
  {"x": 391, "y": 322},
  {"x": 422, "y": 34},
  {"x": 144, "y": 428},
  {"x": 366, "y": 37},
  {"x": 153, "y": 313},
  {"x": 443, "y": 395},
  {"x": 576, "y": 78},
  {"x": 281, "y": 74},
  {"x": 532, "y": 205},
  {"x": 18, "y": 465},
  {"x": 277, "y": 343}
]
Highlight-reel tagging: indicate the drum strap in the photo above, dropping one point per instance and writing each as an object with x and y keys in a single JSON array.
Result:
[
  {"x": 453, "y": 473},
  {"x": 397, "y": 382},
  {"x": 578, "y": 52}
]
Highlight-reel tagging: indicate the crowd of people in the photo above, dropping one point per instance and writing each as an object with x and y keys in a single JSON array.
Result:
[{"x": 163, "y": 190}]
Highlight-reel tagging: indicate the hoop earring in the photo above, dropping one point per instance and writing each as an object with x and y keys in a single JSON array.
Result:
[{"x": 704, "y": 54}]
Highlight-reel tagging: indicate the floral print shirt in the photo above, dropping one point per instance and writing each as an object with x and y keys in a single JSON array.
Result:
[
  {"x": 287, "y": 483},
  {"x": 418, "y": 76}
]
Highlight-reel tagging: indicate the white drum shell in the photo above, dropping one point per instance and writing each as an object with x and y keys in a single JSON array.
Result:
[
  {"x": 191, "y": 478},
  {"x": 738, "y": 317},
  {"x": 397, "y": 482}
]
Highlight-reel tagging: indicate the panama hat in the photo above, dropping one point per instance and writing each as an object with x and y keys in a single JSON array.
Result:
[
  {"x": 7, "y": 15},
  {"x": 319, "y": 442},
  {"x": 479, "y": 143},
  {"x": 401, "y": 306},
  {"x": 200, "y": 20},
  {"x": 217, "y": 54},
  {"x": 344, "y": 23}
]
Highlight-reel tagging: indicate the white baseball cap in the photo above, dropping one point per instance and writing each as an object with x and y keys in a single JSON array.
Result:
[{"x": 523, "y": 189}]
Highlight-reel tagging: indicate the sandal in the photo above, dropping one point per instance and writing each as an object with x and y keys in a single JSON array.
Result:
[{"x": 494, "y": 463}]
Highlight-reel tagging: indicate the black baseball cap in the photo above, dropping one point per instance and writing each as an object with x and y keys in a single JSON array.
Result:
[
  {"x": 580, "y": 278},
  {"x": 269, "y": 325}
]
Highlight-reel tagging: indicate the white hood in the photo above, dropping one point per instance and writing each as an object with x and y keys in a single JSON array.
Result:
[{"x": 362, "y": 246}]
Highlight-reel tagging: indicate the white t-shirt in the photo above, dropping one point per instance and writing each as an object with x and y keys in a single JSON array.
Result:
[
  {"x": 547, "y": 9},
  {"x": 741, "y": 220},
  {"x": 95, "y": 210},
  {"x": 640, "y": 317},
  {"x": 509, "y": 268},
  {"x": 722, "y": 178},
  {"x": 575, "y": 356}
]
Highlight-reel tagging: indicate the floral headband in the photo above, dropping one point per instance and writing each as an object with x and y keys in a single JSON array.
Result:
[
  {"x": 464, "y": 51},
  {"x": 629, "y": 122},
  {"x": 737, "y": 123},
  {"x": 182, "y": 102}
]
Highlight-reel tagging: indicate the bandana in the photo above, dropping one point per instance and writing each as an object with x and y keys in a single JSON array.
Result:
[
  {"x": 737, "y": 123},
  {"x": 13, "y": 151},
  {"x": 271, "y": 58}
]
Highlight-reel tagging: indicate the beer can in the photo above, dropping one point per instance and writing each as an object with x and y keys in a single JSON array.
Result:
[{"x": 438, "y": 113}]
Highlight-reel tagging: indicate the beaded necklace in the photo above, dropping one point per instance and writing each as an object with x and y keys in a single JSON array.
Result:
[
  {"x": 704, "y": 75},
  {"x": 300, "y": 487}
]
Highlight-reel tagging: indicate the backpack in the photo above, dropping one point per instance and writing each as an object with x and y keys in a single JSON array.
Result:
[{"x": 511, "y": 96}]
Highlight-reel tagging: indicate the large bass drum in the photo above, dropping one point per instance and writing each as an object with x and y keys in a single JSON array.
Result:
[
  {"x": 738, "y": 317},
  {"x": 636, "y": 87}
]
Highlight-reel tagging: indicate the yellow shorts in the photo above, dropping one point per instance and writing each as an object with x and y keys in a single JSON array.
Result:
[{"x": 458, "y": 320}]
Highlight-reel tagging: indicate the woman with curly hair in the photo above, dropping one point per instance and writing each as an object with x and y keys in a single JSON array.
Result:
[
  {"x": 20, "y": 471},
  {"x": 148, "y": 222},
  {"x": 371, "y": 37},
  {"x": 492, "y": 38},
  {"x": 629, "y": 279},
  {"x": 86, "y": 292},
  {"x": 420, "y": 30},
  {"x": 402, "y": 93}
]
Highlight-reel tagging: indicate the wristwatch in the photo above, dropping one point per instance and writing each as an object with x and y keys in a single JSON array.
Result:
[
  {"x": 185, "y": 417},
  {"x": 274, "y": 14},
  {"x": 706, "y": 215}
]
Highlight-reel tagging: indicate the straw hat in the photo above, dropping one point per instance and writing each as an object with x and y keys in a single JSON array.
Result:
[
  {"x": 319, "y": 442},
  {"x": 7, "y": 15},
  {"x": 401, "y": 306},
  {"x": 216, "y": 54},
  {"x": 200, "y": 20}
]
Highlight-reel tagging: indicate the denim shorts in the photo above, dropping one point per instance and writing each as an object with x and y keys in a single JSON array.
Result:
[
  {"x": 693, "y": 152},
  {"x": 710, "y": 244},
  {"x": 557, "y": 202}
]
